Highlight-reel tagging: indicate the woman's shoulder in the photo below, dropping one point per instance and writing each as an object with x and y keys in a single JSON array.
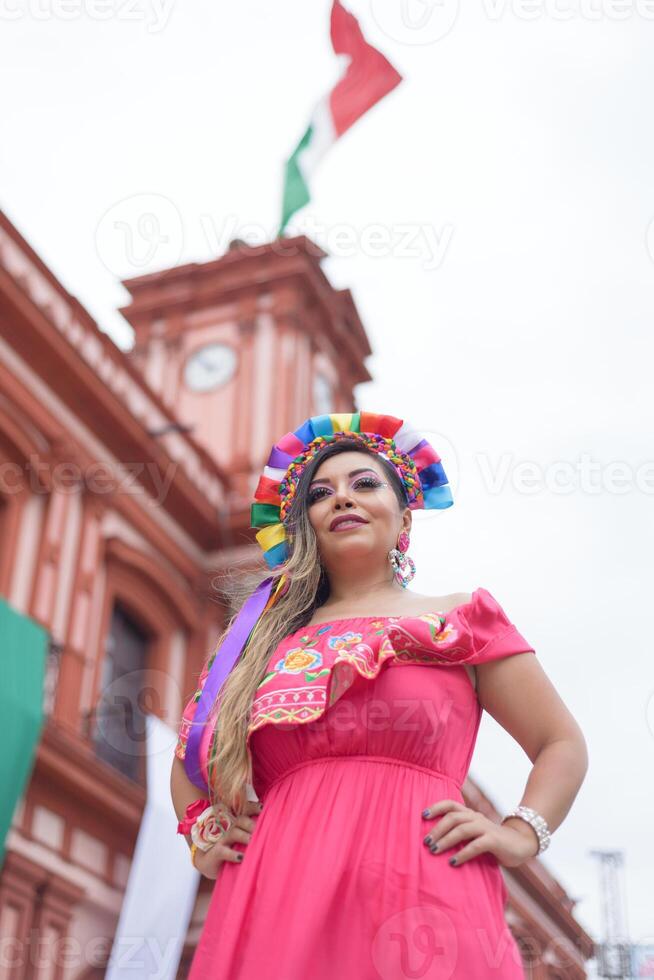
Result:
[
  {"x": 448, "y": 603},
  {"x": 491, "y": 630},
  {"x": 478, "y": 602}
]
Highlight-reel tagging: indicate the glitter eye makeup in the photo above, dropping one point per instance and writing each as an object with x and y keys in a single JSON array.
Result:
[{"x": 369, "y": 482}]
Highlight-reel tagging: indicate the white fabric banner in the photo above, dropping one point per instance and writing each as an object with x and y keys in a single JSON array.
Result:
[{"x": 162, "y": 883}]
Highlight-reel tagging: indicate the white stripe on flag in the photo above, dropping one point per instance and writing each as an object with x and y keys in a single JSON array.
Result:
[{"x": 323, "y": 136}]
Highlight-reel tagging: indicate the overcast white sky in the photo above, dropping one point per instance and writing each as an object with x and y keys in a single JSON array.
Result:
[{"x": 510, "y": 310}]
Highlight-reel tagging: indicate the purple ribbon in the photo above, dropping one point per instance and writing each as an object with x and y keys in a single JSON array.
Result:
[{"x": 229, "y": 652}]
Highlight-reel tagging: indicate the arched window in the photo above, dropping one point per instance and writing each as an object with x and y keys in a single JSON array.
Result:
[
  {"x": 119, "y": 729},
  {"x": 152, "y": 633}
]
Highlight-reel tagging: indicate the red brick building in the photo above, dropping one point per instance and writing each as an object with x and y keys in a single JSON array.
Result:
[{"x": 125, "y": 484}]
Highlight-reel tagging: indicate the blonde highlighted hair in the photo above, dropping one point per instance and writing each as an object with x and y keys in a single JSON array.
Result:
[{"x": 230, "y": 765}]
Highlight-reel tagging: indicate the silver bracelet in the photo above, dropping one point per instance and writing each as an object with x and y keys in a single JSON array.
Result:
[{"x": 537, "y": 822}]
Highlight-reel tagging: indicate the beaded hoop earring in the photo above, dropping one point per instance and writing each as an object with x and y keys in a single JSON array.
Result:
[{"x": 403, "y": 566}]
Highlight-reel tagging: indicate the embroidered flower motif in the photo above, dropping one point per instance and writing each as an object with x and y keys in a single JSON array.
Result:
[
  {"x": 440, "y": 632},
  {"x": 297, "y": 660},
  {"x": 343, "y": 641},
  {"x": 446, "y": 634}
]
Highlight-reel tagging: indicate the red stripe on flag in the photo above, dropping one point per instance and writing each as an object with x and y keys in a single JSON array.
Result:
[{"x": 369, "y": 76}]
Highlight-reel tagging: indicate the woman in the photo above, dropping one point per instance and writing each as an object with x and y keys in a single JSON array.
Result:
[{"x": 363, "y": 861}]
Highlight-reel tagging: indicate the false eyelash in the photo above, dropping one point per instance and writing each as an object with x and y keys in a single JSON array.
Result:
[{"x": 371, "y": 479}]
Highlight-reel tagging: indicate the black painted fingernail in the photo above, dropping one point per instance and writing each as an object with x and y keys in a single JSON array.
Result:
[
  {"x": 240, "y": 857},
  {"x": 452, "y": 860},
  {"x": 433, "y": 848},
  {"x": 427, "y": 839}
]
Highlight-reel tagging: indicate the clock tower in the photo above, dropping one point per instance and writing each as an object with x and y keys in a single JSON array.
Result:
[{"x": 245, "y": 347}]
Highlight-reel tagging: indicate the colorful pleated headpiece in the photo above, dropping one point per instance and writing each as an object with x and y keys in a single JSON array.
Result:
[{"x": 415, "y": 460}]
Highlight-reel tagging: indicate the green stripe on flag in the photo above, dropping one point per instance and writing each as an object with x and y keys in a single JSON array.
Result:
[
  {"x": 296, "y": 191},
  {"x": 23, "y": 651}
]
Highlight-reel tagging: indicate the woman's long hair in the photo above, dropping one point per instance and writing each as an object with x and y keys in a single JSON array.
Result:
[{"x": 230, "y": 765}]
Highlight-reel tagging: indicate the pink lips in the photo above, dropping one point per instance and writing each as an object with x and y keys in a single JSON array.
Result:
[{"x": 346, "y": 523}]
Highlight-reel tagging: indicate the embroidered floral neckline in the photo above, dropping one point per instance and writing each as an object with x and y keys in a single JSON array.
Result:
[
  {"x": 380, "y": 620},
  {"x": 312, "y": 667}
]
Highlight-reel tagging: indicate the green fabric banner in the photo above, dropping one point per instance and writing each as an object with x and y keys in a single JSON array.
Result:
[{"x": 23, "y": 652}]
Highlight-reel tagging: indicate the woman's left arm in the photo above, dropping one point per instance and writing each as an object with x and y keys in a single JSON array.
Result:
[
  {"x": 519, "y": 695},
  {"x": 517, "y": 692}
]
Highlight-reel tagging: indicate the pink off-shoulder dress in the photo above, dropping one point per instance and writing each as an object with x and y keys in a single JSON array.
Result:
[{"x": 358, "y": 725}]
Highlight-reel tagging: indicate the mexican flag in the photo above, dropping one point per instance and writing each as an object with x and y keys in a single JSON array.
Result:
[
  {"x": 23, "y": 655},
  {"x": 368, "y": 77}
]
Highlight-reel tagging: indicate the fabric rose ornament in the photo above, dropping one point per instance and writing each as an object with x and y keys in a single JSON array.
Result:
[{"x": 210, "y": 826}]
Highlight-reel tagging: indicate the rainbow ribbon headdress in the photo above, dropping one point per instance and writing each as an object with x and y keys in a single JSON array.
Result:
[{"x": 416, "y": 461}]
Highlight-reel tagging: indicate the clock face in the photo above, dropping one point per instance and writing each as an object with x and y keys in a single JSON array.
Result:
[{"x": 210, "y": 367}]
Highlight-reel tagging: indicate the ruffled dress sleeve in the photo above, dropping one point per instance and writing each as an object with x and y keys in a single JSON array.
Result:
[{"x": 479, "y": 631}]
